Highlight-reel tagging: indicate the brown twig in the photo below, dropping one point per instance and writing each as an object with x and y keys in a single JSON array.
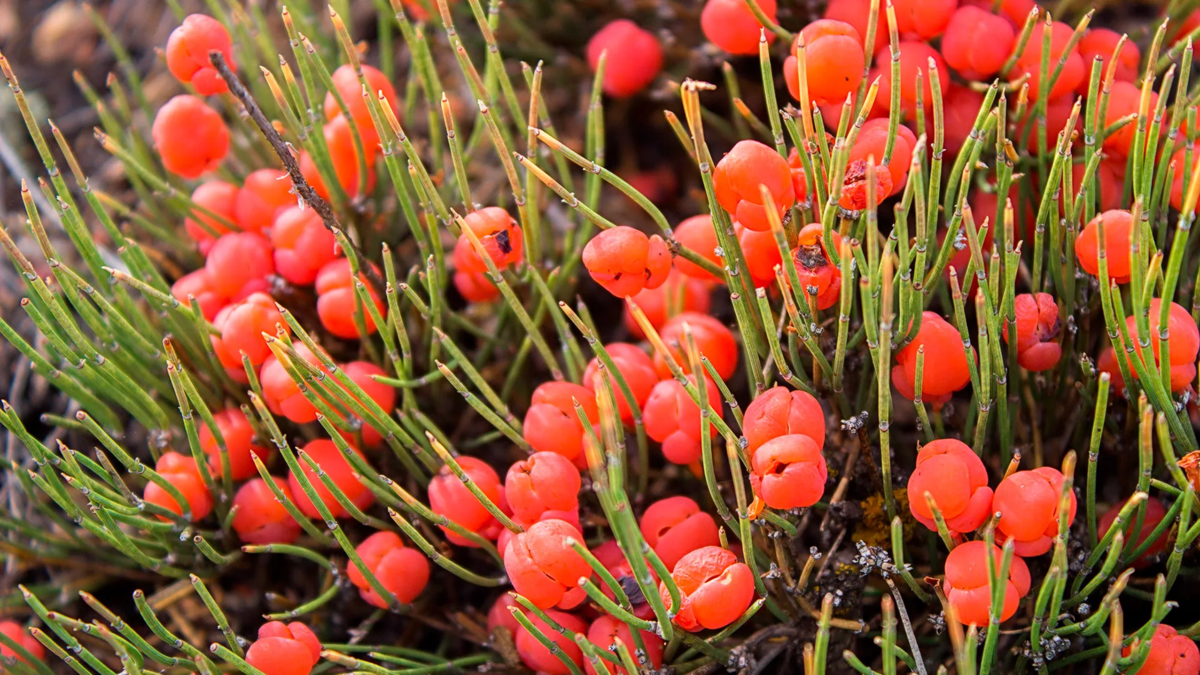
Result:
[{"x": 305, "y": 191}]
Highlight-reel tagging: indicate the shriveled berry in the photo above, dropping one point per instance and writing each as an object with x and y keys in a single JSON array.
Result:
[
  {"x": 284, "y": 649},
  {"x": 789, "y": 472},
  {"x": 714, "y": 588},
  {"x": 1037, "y": 328},
  {"x": 260, "y": 518},
  {"x": 1170, "y": 653},
  {"x": 977, "y": 42},
  {"x": 345, "y": 80},
  {"x": 500, "y": 235},
  {"x": 1153, "y": 516},
  {"x": 264, "y": 195},
  {"x": 780, "y": 411},
  {"x": 542, "y": 566},
  {"x": 242, "y": 325},
  {"x": 633, "y": 57},
  {"x": 1030, "y": 61},
  {"x": 20, "y": 635},
  {"x": 325, "y": 454},
  {"x": 545, "y": 481},
  {"x": 923, "y": 19},
  {"x": 820, "y": 279},
  {"x": 239, "y": 444},
  {"x": 673, "y": 419},
  {"x": 537, "y": 657},
  {"x": 239, "y": 264},
  {"x": 1183, "y": 343},
  {"x": 738, "y": 179},
  {"x": 401, "y": 570},
  {"x": 1100, "y": 43},
  {"x": 634, "y": 366},
  {"x": 968, "y": 588},
  {"x": 946, "y": 369},
  {"x": 713, "y": 340},
  {"x": 337, "y": 300},
  {"x": 732, "y": 26},
  {"x": 605, "y": 631},
  {"x": 697, "y": 234},
  {"x": 303, "y": 245},
  {"x": 679, "y": 294},
  {"x": 552, "y": 425},
  {"x": 182, "y": 473},
  {"x": 1118, "y": 235},
  {"x": 676, "y": 526},
  {"x": 1028, "y": 503},
  {"x": 281, "y": 393},
  {"x": 833, "y": 59},
  {"x": 220, "y": 198},
  {"x": 199, "y": 285},
  {"x": 855, "y": 186},
  {"x": 951, "y": 472},
  {"x": 449, "y": 497},
  {"x": 624, "y": 260},
  {"x": 187, "y": 53},
  {"x": 190, "y": 136}
]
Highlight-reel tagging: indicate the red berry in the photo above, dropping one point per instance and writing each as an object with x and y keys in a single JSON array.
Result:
[
  {"x": 475, "y": 286},
  {"x": 187, "y": 53},
  {"x": 449, "y": 497},
  {"x": 633, "y": 59},
  {"x": 19, "y": 634},
  {"x": 951, "y": 472},
  {"x": 968, "y": 588},
  {"x": 1037, "y": 328},
  {"x": 190, "y": 136},
  {"x": 239, "y": 444},
  {"x": 741, "y": 173},
  {"x": 402, "y": 571},
  {"x": 697, "y": 234},
  {"x": 732, "y": 26},
  {"x": 500, "y": 235},
  {"x": 960, "y": 107},
  {"x": 350, "y": 90},
  {"x": 923, "y": 19},
  {"x": 552, "y": 425},
  {"x": 1107, "y": 363},
  {"x": 501, "y": 616},
  {"x": 327, "y": 456},
  {"x": 344, "y": 157},
  {"x": 833, "y": 59},
  {"x": 634, "y": 366},
  {"x": 789, "y": 472},
  {"x": 1028, "y": 505},
  {"x": 260, "y": 518},
  {"x": 673, "y": 419},
  {"x": 946, "y": 370},
  {"x": 290, "y": 649},
  {"x": 679, "y": 294},
  {"x": 1100, "y": 43},
  {"x": 199, "y": 285},
  {"x": 540, "y": 564},
  {"x": 715, "y": 589},
  {"x": 1183, "y": 341},
  {"x": 857, "y": 13},
  {"x": 1183, "y": 174},
  {"x": 855, "y": 185},
  {"x": 761, "y": 253},
  {"x": 676, "y": 526},
  {"x": 302, "y": 244},
  {"x": 239, "y": 264},
  {"x": 1124, "y": 99},
  {"x": 1154, "y": 515},
  {"x": 543, "y": 482},
  {"x": 181, "y": 472},
  {"x": 605, "y": 631},
  {"x": 1016, "y": 11},
  {"x": 1118, "y": 233},
  {"x": 872, "y": 142},
  {"x": 819, "y": 278},
  {"x": 779, "y": 412},
  {"x": 713, "y": 340},
  {"x": 1170, "y": 654},
  {"x": 337, "y": 300},
  {"x": 624, "y": 260},
  {"x": 363, "y": 374},
  {"x": 537, "y": 657},
  {"x": 242, "y": 325},
  {"x": 571, "y": 517},
  {"x": 220, "y": 198},
  {"x": 914, "y": 57},
  {"x": 264, "y": 195},
  {"x": 280, "y": 392},
  {"x": 1030, "y": 61}
]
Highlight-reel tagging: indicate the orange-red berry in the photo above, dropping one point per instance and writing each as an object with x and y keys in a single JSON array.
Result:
[
  {"x": 325, "y": 454},
  {"x": 187, "y": 53},
  {"x": 1153, "y": 516},
  {"x": 679, "y": 294},
  {"x": 1028, "y": 504},
  {"x": 240, "y": 263},
  {"x": 968, "y": 588},
  {"x": 697, "y": 234},
  {"x": 914, "y": 57},
  {"x": 923, "y": 19},
  {"x": 780, "y": 411},
  {"x": 280, "y": 391},
  {"x": 1030, "y": 61},
  {"x": 546, "y": 481},
  {"x": 761, "y": 253},
  {"x": 605, "y": 631},
  {"x": 182, "y": 473},
  {"x": 344, "y": 157},
  {"x": 242, "y": 325},
  {"x": 624, "y": 260},
  {"x": 1015, "y": 11},
  {"x": 676, "y": 526},
  {"x": 673, "y": 419},
  {"x": 1124, "y": 99},
  {"x": 820, "y": 279},
  {"x": 337, "y": 300},
  {"x": 833, "y": 60},
  {"x": 190, "y": 136},
  {"x": 946, "y": 369},
  {"x": 363, "y": 374},
  {"x": 500, "y": 236},
  {"x": 449, "y": 497},
  {"x": 1037, "y": 328},
  {"x": 1100, "y": 43},
  {"x": 345, "y": 80},
  {"x": 1183, "y": 343},
  {"x": 741, "y": 174},
  {"x": 239, "y": 444},
  {"x": 1170, "y": 654},
  {"x": 542, "y": 566},
  {"x": 732, "y": 26},
  {"x": 872, "y": 142},
  {"x": 634, "y": 366},
  {"x": 199, "y": 285},
  {"x": 1118, "y": 235},
  {"x": 20, "y": 635},
  {"x": 960, "y": 107},
  {"x": 713, "y": 340},
  {"x": 264, "y": 195},
  {"x": 475, "y": 286},
  {"x": 501, "y": 616},
  {"x": 552, "y": 425},
  {"x": 401, "y": 570},
  {"x": 303, "y": 245},
  {"x": 977, "y": 42},
  {"x": 714, "y": 588},
  {"x": 284, "y": 649},
  {"x": 220, "y": 198},
  {"x": 789, "y": 472},
  {"x": 857, "y": 13},
  {"x": 537, "y": 657},
  {"x": 951, "y": 472},
  {"x": 260, "y": 518},
  {"x": 633, "y": 57}
]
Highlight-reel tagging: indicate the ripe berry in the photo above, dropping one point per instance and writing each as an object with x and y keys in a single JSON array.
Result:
[
  {"x": 673, "y": 419},
  {"x": 264, "y": 195},
  {"x": 739, "y": 176},
  {"x": 500, "y": 235},
  {"x": 540, "y": 564},
  {"x": 946, "y": 370},
  {"x": 680, "y": 294},
  {"x": 857, "y": 13},
  {"x": 1183, "y": 343},
  {"x": 1099, "y": 43},
  {"x": 337, "y": 300},
  {"x": 220, "y": 198},
  {"x": 779, "y": 412},
  {"x": 819, "y": 278},
  {"x": 181, "y": 472},
  {"x": 872, "y": 142},
  {"x": 714, "y": 588},
  {"x": 634, "y": 57},
  {"x": 960, "y": 106},
  {"x": 239, "y": 264},
  {"x": 854, "y": 185},
  {"x": 833, "y": 59},
  {"x": 552, "y": 425},
  {"x": 500, "y": 615},
  {"x": 923, "y": 19},
  {"x": 239, "y": 444},
  {"x": 343, "y": 155},
  {"x": 190, "y": 136},
  {"x": 1030, "y": 61},
  {"x": 676, "y": 526},
  {"x": 1154, "y": 515},
  {"x": 1118, "y": 235},
  {"x": 761, "y": 253},
  {"x": 545, "y": 481},
  {"x": 19, "y": 634},
  {"x": 914, "y": 57},
  {"x": 624, "y": 260},
  {"x": 634, "y": 366},
  {"x": 730, "y": 25},
  {"x": 1124, "y": 99},
  {"x": 475, "y": 286},
  {"x": 281, "y": 393},
  {"x": 951, "y": 472},
  {"x": 1028, "y": 505},
  {"x": 1170, "y": 654},
  {"x": 610, "y": 555},
  {"x": 697, "y": 234},
  {"x": 450, "y": 498},
  {"x": 345, "y": 80},
  {"x": 535, "y": 655},
  {"x": 713, "y": 340},
  {"x": 242, "y": 325},
  {"x": 789, "y": 472},
  {"x": 1037, "y": 328},
  {"x": 1110, "y": 183},
  {"x": 604, "y": 633},
  {"x": 187, "y": 53},
  {"x": 363, "y": 374},
  {"x": 1016, "y": 11},
  {"x": 326, "y": 455},
  {"x": 260, "y": 519},
  {"x": 401, "y": 570},
  {"x": 1182, "y": 175},
  {"x": 302, "y": 244},
  {"x": 977, "y": 42},
  {"x": 290, "y": 649},
  {"x": 199, "y": 285},
  {"x": 967, "y": 584},
  {"x": 570, "y": 517},
  {"x": 1107, "y": 363}
]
